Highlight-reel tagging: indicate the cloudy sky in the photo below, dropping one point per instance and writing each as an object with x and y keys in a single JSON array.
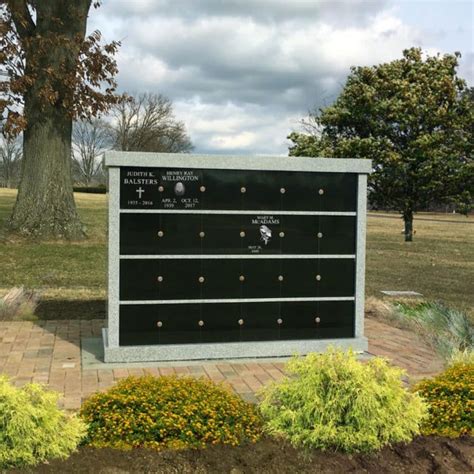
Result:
[{"x": 242, "y": 73}]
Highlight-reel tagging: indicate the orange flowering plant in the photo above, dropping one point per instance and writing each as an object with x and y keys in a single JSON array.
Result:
[
  {"x": 169, "y": 413},
  {"x": 450, "y": 398}
]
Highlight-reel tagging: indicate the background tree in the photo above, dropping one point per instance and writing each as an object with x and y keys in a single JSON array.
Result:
[
  {"x": 90, "y": 140},
  {"x": 55, "y": 74},
  {"x": 147, "y": 123},
  {"x": 414, "y": 118},
  {"x": 10, "y": 161}
]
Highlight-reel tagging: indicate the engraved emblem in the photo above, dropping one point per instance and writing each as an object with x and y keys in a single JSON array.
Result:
[
  {"x": 265, "y": 234},
  {"x": 179, "y": 188}
]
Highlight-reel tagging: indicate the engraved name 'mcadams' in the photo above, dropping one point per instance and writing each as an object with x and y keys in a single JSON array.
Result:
[{"x": 225, "y": 257}]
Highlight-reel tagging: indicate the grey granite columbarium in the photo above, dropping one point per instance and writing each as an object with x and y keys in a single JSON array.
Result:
[{"x": 225, "y": 257}]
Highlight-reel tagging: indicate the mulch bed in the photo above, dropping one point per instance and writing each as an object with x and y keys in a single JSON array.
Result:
[{"x": 424, "y": 454}]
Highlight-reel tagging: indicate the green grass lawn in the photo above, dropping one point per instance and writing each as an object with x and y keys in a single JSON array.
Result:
[{"x": 439, "y": 263}]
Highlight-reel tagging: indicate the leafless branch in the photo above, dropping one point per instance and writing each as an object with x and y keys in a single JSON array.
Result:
[
  {"x": 90, "y": 140},
  {"x": 147, "y": 123}
]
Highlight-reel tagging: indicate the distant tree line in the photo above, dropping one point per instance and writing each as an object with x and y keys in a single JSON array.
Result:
[{"x": 10, "y": 162}]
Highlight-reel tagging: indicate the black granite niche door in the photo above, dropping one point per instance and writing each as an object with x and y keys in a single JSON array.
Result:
[
  {"x": 297, "y": 234},
  {"x": 299, "y": 277},
  {"x": 139, "y": 188},
  {"x": 260, "y": 234},
  {"x": 297, "y": 320},
  {"x": 161, "y": 278},
  {"x": 280, "y": 278},
  {"x": 222, "y": 234},
  {"x": 264, "y": 190},
  {"x": 224, "y": 189},
  {"x": 297, "y": 191},
  {"x": 180, "y": 188},
  {"x": 336, "y": 235},
  {"x": 262, "y": 278},
  {"x": 316, "y": 320},
  {"x": 334, "y": 319},
  {"x": 335, "y": 277},
  {"x": 336, "y": 191},
  {"x": 259, "y": 321},
  {"x": 220, "y": 322},
  {"x": 139, "y": 279},
  {"x": 221, "y": 278}
]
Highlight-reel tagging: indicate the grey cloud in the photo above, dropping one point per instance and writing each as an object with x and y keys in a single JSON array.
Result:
[
  {"x": 255, "y": 66},
  {"x": 347, "y": 12},
  {"x": 287, "y": 91}
]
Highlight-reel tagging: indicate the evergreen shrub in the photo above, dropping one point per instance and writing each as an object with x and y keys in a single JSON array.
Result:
[
  {"x": 333, "y": 401},
  {"x": 32, "y": 427},
  {"x": 169, "y": 413}
]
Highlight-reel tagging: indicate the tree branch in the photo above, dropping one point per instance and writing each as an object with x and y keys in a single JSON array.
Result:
[{"x": 24, "y": 24}]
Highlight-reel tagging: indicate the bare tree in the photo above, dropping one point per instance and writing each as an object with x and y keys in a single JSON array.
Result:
[
  {"x": 10, "y": 161},
  {"x": 147, "y": 123},
  {"x": 90, "y": 140}
]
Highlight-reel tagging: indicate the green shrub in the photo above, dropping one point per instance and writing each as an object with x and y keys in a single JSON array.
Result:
[
  {"x": 169, "y": 412},
  {"x": 32, "y": 427},
  {"x": 450, "y": 398},
  {"x": 333, "y": 401}
]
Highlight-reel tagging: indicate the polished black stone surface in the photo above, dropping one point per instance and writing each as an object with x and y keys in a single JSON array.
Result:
[
  {"x": 176, "y": 279},
  {"x": 201, "y": 323},
  {"x": 197, "y": 234},
  {"x": 207, "y": 234},
  {"x": 164, "y": 188}
]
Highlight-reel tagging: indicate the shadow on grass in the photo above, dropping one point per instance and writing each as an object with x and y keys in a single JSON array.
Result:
[{"x": 71, "y": 309}]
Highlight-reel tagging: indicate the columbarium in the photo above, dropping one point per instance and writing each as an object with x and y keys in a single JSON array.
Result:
[{"x": 214, "y": 257}]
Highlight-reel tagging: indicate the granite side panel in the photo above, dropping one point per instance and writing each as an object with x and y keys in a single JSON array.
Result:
[
  {"x": 113, "y": 258},
  {"x": 360, "y": 256}
]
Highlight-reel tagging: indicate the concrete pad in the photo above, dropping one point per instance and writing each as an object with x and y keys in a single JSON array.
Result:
[{"x": 412, "y": 294}]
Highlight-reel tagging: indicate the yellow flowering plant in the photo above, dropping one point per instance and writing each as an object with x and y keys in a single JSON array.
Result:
[
  {"x": 450, "y": 399},
  {"x": 169, "y": 413}
]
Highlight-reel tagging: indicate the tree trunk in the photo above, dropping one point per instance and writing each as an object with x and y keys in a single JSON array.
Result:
[
  {"x": 408, "y": 220},
  {"x": 45, "y": 205}
]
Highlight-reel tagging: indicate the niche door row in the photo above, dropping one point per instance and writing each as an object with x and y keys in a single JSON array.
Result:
[
  {"x": 187, "y": 234},
  {"x": 224, "y": 278},
  {"x": 237, "y": 189},
  {"x": 230, "y": 322}
]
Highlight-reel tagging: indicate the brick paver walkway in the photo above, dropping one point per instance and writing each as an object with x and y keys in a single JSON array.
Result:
[{"x": 49, "y": 352}]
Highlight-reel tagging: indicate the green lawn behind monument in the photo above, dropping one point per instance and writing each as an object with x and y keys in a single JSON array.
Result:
[{"x": 439, "y": 263}]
